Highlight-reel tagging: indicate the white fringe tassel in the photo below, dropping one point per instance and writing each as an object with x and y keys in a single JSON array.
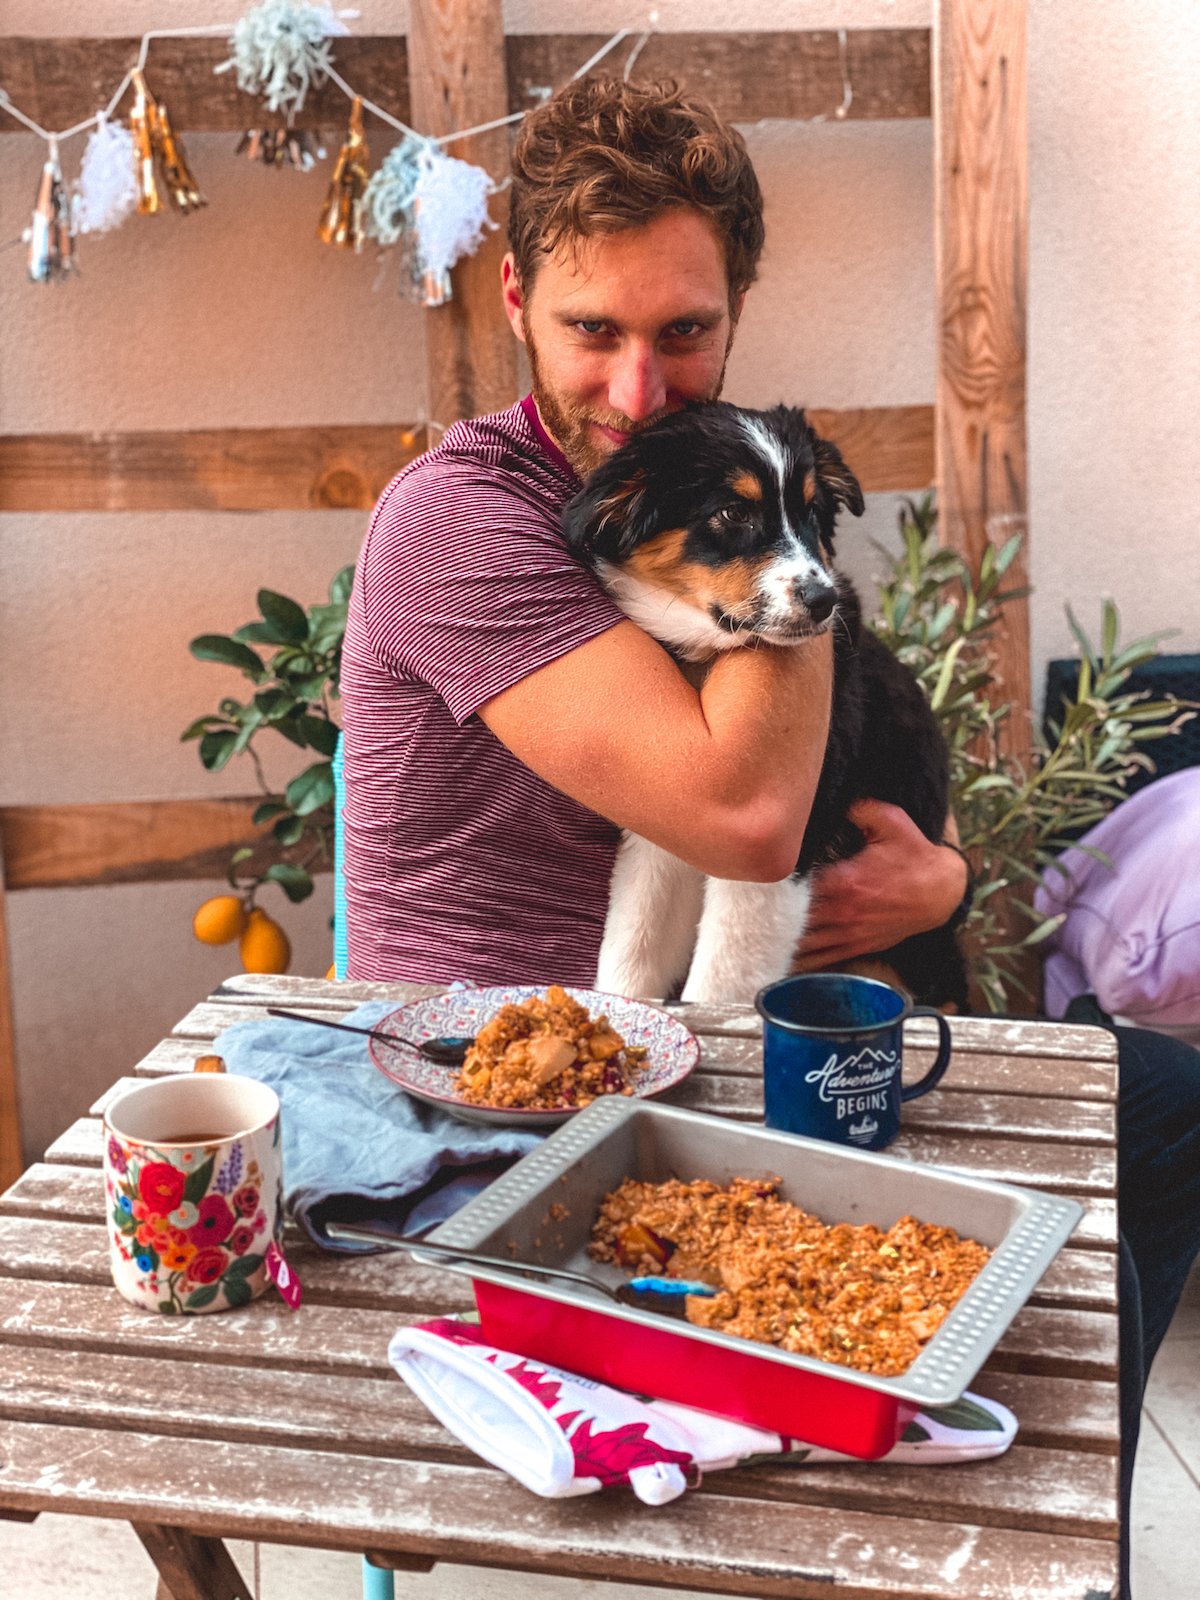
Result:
[
  {"x": 281, "y": 51},
  {"x": 452, "y": 213},
  {"x": 105, "y": 192},
  {"x": 432, "y": 203}
]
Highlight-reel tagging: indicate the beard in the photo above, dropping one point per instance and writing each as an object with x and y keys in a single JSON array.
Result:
[{"x": 571, "y": 425}]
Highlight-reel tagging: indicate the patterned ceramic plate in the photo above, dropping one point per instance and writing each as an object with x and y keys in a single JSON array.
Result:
[{"x": 672, "y": 1050}]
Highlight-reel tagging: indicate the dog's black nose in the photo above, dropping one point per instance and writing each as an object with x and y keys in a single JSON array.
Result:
[{"x": 818, "y": 598}]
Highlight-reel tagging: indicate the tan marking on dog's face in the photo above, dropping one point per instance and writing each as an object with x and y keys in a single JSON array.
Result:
[
  {"x": 617, "y": 501},
  {"x": 747, "y": 485},
  {"x": 810, "y": 485},
  {"x": 660, "y": 561}
]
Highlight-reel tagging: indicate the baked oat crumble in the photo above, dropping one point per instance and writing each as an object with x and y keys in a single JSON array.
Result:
[
  {"x": 547, "y": 1053},
  {"x": 853, "y": 1294}
]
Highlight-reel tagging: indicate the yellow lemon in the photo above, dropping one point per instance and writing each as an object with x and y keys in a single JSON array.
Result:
[
  {"x": 264, "y": 945},
  {"x": 219, "y": 921}
]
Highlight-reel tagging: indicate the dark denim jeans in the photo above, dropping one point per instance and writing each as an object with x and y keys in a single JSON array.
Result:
[{"x": 1158, "y": 1176}]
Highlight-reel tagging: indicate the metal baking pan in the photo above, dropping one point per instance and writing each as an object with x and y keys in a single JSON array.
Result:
[{"x": 543, "y": 1209}]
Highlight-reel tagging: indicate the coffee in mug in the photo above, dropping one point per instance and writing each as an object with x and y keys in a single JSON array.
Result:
[{"x": 193, "y": 1186}]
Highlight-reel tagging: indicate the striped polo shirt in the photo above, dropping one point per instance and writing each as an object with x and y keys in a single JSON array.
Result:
[{"x": 459, "y": 861}]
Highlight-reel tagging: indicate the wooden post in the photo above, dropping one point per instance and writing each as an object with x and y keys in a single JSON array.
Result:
[
  {"x": 981, "y": 218},
  {"x": 11, "y": 1163},
  {"x": 981, "y": 235},
  {"x": 458, "y": 79}
]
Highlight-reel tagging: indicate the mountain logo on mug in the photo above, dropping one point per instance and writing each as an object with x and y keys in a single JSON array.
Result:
[{"x": 842, "y": 1077}]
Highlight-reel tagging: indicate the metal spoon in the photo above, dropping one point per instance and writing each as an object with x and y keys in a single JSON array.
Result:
[
  {"x": 664, "y": 1295},
  {"x": 446, "y": 1052}
]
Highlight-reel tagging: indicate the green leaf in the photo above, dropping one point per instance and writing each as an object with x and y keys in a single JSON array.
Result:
[
  {"x": 988, "y": 780},
  {"x": 1008, "y": 554},
  {"x": 237, "y": 1290},
  {"x": 268, "y": 809},
  {"x": 216, "y": 748},
  {"x": 204, "y": 1296},
  {"x": 196, "y": 1186},
  {"x": 944, "y": 676},
  {"x": 942, "y": 619},
  {"x": 242, "y": 854},
  {"x": 320, "y": 733},
  {"x": 216, "y": 647},
  {"x": 243, "y": 1266},
  {"x": 312, "y": 789},
  {"x": 1141, "y": 650},
  {"x": 202, "y": 725},
  {"x": 289, "y": 830},
  {"x": 1108, "y": 630},
  {"x": 261, "y": 633},
  {"x": 284, "y": 614},
  {"x": 914, "y": 1434},
  {"x": 339, "y": 589},
  {"x": 309, "y": 687},
  {"x": 326, "y": 628},
  {"x": 275, "y": 703},
  {"x": 250, "y": 726},
  {"x": 287, "y": 727},
  {"x": 968, "y": 1416},
  {"x": 293, "y": 880},
  {"x": 1081, "y": 639}
]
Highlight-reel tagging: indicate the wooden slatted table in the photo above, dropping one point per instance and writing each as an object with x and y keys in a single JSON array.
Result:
[{"x": 266, "y": 1425}]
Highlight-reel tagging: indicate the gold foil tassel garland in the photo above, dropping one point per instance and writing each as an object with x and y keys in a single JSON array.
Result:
[
  {"x": 341, "y": 217},
  {"x": 158, "y": 154},
  {"x": 51, "y": 247},
  {"x": 142, "y": 121},
  {"x": 173, "y": 163}
]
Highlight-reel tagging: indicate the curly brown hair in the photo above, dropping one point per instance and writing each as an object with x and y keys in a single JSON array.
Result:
[{"x": 602, "y": 155}]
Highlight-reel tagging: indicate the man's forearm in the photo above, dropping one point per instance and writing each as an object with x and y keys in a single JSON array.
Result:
[{"x": 767, "y": 712}]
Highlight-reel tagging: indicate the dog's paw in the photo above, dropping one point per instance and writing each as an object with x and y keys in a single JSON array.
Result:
[{"x": 711, "y": 991}]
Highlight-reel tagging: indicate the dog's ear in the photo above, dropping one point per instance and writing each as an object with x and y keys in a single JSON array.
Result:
[
  {"x": 836, "y": 476},
  {"x": 609, "y": 515}
]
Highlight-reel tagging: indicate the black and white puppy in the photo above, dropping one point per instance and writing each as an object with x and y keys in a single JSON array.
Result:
[{"x": 712, "y": 529}]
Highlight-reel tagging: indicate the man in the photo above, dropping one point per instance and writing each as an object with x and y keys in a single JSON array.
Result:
[{"x": 503, "y": 718}]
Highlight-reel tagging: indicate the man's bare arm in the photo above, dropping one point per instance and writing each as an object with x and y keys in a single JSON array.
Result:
[{"x": 722, "y": 777}]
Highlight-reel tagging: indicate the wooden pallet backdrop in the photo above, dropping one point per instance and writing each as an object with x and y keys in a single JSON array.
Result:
[{"x": 457, "y": 69}]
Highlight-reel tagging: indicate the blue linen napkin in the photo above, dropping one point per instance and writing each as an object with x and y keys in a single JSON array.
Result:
[{"x": 356, "y": 1148}]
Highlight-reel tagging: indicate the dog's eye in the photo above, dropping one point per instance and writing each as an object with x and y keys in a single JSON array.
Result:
[{"x": 735, "y": 516}]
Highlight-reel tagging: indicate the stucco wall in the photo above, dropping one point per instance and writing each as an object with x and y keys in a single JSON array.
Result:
[{"x": 238, "y": 316}]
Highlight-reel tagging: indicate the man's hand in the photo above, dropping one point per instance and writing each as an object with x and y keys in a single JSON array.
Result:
[{"x": 898, "y": 884}]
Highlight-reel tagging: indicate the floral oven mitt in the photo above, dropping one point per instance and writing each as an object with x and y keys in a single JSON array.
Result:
[{"x": 560, "y": 1434}]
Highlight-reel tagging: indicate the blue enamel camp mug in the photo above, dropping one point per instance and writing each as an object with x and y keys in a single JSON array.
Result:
[{"x": 832, "y": 1048}]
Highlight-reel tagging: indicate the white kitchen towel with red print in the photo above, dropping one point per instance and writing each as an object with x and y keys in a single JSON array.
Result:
[{"x": 560, "y": 1434}]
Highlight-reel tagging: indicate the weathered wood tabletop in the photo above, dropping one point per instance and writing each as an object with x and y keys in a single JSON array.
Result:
[{"x": 269, "y": 1425}]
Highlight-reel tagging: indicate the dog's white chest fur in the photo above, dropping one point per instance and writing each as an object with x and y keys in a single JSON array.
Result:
[{"x": 667, "y": 920}]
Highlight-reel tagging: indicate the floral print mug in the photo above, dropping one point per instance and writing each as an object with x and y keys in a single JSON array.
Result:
[{"x": 193, "y": 1185}]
